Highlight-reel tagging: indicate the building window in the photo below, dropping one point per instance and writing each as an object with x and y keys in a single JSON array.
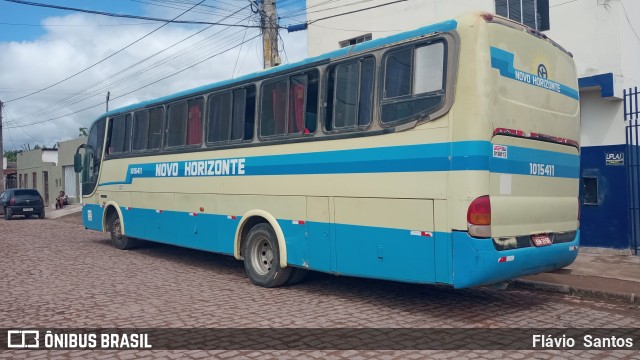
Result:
[
  {"x": 355, "y": 40},
  {"x": 590, "y": 190},
  {"x": 533, "y": 13}
]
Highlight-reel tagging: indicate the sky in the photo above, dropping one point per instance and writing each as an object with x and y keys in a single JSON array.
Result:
[{"x": 56, "y": 66}]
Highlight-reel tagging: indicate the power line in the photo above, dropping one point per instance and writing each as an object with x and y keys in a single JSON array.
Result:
[
  {"x": 355, "y": 11},
  {"x": 124, "y": 15},
  {"x": 103, "y": 60},
  {"x": 141, "y": 87},
  {"x": 112, "y": 79}
]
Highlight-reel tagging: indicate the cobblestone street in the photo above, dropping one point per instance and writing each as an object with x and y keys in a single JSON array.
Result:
[{"x": 55, "y": 274}]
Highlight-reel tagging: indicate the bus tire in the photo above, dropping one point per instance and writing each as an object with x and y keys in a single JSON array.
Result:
[
  {"x": 262, "y": 257},
  {"x": 297, "y": 276},
  {"x": 118, "y": 239}
]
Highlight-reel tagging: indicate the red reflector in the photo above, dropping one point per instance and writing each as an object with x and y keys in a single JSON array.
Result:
[
  {"x": 487, "y": 17},
  {"x": 479, "y": 212},
  {"x": 502, "y": 259}
]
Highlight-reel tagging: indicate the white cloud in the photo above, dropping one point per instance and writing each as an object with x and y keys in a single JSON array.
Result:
[{"x": 65, "y": 50}]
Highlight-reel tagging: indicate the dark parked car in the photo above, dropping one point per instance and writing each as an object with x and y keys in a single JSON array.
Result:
[{"x": 27, "y": 202}]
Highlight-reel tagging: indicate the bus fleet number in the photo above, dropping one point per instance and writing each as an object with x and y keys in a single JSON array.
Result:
[{"x": 541, "y": 169}]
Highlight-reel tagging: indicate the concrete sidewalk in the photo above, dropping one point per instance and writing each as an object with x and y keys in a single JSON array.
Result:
[
  {"x": 68, "y": 210},
  {"x": 595, "y": 273}
]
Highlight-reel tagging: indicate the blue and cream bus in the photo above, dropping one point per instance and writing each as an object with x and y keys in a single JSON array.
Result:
[{"x": 448, "y": 154}]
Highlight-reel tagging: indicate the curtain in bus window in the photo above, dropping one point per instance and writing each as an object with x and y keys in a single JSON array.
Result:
[
  {"x": 219, "y": 117},
  {"x": 428, "y": 68},
  {"x": 397, "y": 80},
  {"x": 346, "y": 98},
  {"x": 155, "y": 128},
  {"x": 194, "y": 122},
  {"x": 365, "y": 107},
  {"x": 176, "y": 131},
  {"x": 296, "y": 104},
  {"x": 239, "y": 107},
  {"x": 140, "y": 129}
]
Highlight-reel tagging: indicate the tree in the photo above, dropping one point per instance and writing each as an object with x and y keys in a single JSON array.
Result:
[{"x": 12, "y": 155}]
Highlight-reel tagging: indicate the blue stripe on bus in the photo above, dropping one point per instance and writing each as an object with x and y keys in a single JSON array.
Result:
[
  {"x": 503, "y": 61},
  {"x": 452, "y": 258},
  {"x": 457, "y": 156}
]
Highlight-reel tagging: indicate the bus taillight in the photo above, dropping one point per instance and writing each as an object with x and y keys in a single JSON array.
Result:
[{"x": 479, "y": 217}]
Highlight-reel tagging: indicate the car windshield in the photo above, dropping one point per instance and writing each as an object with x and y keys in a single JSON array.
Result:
[{"x": 26, "y": 193}]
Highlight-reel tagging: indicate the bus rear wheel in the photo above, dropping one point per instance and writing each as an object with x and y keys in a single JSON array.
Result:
[
  {"x": 262, "y": 257},
  {"x": 118, "y": 239}
]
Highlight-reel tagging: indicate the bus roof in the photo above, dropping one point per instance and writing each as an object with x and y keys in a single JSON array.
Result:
[{"x": 444, "y": 26}]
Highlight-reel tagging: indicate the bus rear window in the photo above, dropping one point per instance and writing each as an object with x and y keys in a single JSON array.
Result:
[{"x": 413, "y": 82}]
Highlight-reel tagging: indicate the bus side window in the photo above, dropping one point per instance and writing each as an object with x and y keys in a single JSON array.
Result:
[
  {"x": 120, "y": 134},
  {"x": 155, "y": 128},
  {"x": 273, "y": 115},
  {"x": 249, "y": 112},
  {"x": 311, "y": 115},
  {"x": 239, "y": 114},
  {"x": 413, "y": 82},
  {"x": 194, "y": 122},
  {"x": 297, "y": 109},
  {"x": 219, "y": 117},
  {"x": 140, "y": 130},
  {"x": 177, "y": 124},
  {"x": 350, "y": 95}
]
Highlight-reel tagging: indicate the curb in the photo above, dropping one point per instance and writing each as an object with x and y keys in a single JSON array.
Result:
[{"x": 566, "y": 289}]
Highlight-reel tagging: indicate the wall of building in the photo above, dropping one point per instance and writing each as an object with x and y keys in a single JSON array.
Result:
[
  {"x": 66, "y": 151},
  {"x": 31, "y": 162}
]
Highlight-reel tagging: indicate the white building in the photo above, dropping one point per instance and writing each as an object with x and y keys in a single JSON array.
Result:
[{"x": 603, "y": 36}]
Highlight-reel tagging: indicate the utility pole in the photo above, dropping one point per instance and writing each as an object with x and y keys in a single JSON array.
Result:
[
  {"x": 108, "y": 95},
  {"x": 269, "y": 25}
]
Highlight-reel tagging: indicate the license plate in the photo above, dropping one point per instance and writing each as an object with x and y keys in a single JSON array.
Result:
[
  {"x": 27, "y": 209},
  {"x": 541, "y": 239}
]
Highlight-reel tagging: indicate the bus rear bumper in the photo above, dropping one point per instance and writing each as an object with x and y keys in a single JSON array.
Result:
[{"x": 476, "y": 262}]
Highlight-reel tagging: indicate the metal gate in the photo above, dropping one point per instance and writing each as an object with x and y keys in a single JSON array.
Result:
[{"x": 632, "y": 163}]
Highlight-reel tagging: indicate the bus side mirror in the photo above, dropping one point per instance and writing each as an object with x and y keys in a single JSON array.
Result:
[{"x": 77, "y": 163}]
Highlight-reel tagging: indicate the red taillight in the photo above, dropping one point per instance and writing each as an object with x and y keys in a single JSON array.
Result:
[
  {"x": 479, "y": 217},
  {"x": 479, "y": 212}
]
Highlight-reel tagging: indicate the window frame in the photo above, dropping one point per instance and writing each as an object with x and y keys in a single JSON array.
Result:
[
  {"x": 185, "y": 125},
  {"x": 220, "y": 143},
  {"x": 288, "y": 77},
  {"x": 545, "y": 18},
  {"x": 325, "y": 91},
  {"x": 449, "y": 64}
]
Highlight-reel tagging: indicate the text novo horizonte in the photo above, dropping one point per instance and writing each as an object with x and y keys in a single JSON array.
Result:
[{"x": 202, "y": 168}]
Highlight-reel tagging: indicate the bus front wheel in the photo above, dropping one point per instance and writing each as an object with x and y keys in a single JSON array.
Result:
[
  {"x": 262, "y": 257},
  {"x": 118, "y": 239}
]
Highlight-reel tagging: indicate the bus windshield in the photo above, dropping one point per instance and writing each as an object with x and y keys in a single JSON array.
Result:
[{"x": 92, "y": 157}]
